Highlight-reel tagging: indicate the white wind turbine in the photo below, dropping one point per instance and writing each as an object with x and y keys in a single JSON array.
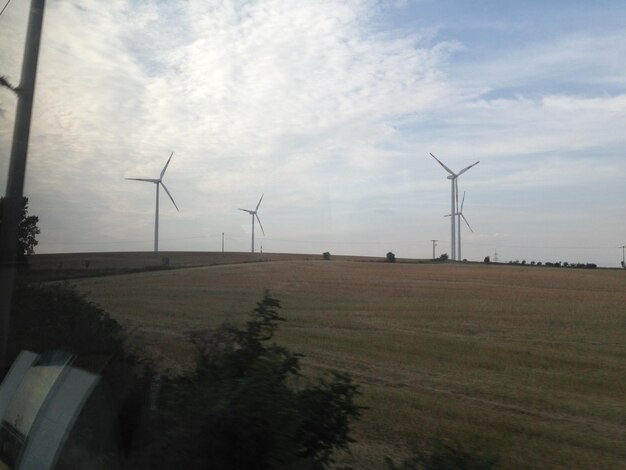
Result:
[
  {"x": 460, "y": 215},
  {"x": 454, "y": 203},
  {"x": 254, "y": 214},
  {"x": 158, "y": 182}
]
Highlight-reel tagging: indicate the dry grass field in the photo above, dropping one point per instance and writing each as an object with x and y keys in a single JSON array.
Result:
[{"x": 528, "y": 363}]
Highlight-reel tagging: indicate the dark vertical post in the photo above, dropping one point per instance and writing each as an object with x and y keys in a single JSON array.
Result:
[
  {"x": 222, "y": 243},
  {"x": 17, "y": 173}
]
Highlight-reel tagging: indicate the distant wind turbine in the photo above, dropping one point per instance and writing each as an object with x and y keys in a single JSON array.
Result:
[
  {"x": 254, "y": 214},
  {"x": 460, "y": 215},
  {"x": 158, "y": 182},
  {"x": 454, "y": 203}
]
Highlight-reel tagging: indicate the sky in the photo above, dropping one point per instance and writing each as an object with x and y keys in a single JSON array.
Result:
[{"x": 330, "y": 109}]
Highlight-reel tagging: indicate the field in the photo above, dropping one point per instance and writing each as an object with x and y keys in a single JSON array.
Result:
[{"x": 527, "y": 363}]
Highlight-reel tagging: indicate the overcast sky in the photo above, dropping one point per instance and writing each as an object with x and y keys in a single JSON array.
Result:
[{"x": 330, "y": 108}]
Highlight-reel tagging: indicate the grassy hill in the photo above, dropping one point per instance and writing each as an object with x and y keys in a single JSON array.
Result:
[{"x": 528, "y": 363}]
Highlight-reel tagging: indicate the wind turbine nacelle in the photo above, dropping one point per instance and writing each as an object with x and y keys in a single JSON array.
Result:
[{"x": 450, "y": 177}]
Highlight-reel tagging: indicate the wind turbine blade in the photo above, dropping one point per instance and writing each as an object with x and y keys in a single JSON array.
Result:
[
  {"x": 462, "y": 202},
  {"x": 165, "y": 167},
  {"x": 245, "y": 210},
  {"x": 467, "y": 223},
  {"x": 467, "y": 168},
  {"x": 260, "y": 224},
  {"x": 257, "y": 206},
  {"x": 445, "y": 167},
  {"x": 149, "y": 180},
  {"x": 171, "y": 198}
]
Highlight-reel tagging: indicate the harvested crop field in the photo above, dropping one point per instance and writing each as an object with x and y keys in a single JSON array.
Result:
[{"x": 524, "y": 362}]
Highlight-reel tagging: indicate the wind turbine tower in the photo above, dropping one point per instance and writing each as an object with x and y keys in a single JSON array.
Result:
[
  {"x": 461, "y": 216},
  {"x": 254, "y": 214},
  {"x": 158, "y": 182},
  {"x": 454, "y": 203}
]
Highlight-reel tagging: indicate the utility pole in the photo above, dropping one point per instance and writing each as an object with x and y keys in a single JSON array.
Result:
[
  {"x": 495, "y": 256},
  {"x": 222, "y": 243},
  {"x": 434, "y": 245},
  {"x": 17, "y": 172},
  {"x": 623, "y": 247}
]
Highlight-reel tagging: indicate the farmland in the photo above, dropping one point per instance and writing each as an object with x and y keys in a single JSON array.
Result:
[{"x": 527, "y": 363}]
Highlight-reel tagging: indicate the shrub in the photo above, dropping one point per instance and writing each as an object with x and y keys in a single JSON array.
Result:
[
  {"x": 487, "y": 260},
  {"x": 443, "y": 257},
  {"x": 446, "y": 455},
  {"x": 244, "y": 405},
  {"x": 391, "y": 257},
  {"x": 53, "y": 317},
  {"x": 326, "y": 255}
]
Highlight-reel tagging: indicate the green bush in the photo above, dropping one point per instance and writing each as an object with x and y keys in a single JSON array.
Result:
[
  {"x": 446, "y": 455},
  {"x": 391, "y": 257},
  {"x": 326, "y": 255},
  {"x": 53, "y": 317},
  {"x": 56, "y": 317},
  {"x": 246, "y": 405}
]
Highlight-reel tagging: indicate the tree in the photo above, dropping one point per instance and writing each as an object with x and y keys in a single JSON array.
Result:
[
  {"x": 487, "y": 260},
  {"x": 27, "y": 231},
  {"x": 245, "y": 405},
  {"x": 443, "y": 257},
  {"x": 326, "y": 255},
  {"x": 391, "y": 257}
]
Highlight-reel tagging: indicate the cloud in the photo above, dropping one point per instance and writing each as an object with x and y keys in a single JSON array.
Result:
[
  {"x": 321, "y": 106},
  {"x": 582, "y": 62}
]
